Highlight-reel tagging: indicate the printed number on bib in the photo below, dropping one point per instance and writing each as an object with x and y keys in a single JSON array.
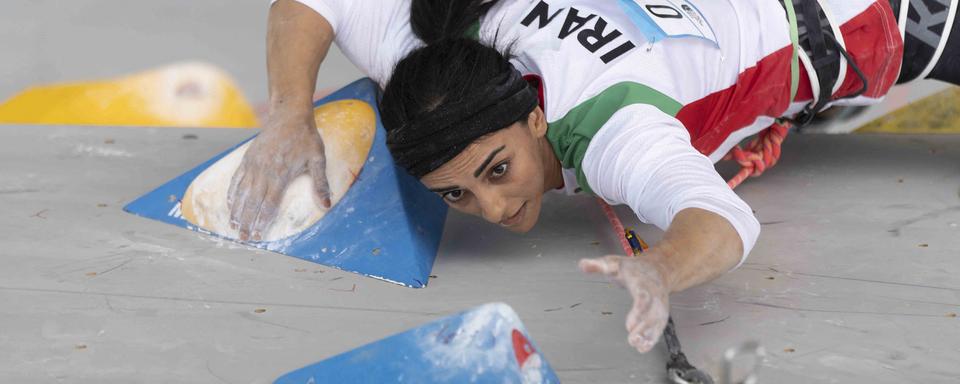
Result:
[{"x": 665, "y": 19}]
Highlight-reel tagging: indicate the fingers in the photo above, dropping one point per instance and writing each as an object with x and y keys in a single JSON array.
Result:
[
  {"x": 646, "y": 335},
  {"x": 633, "y": 320},
  {"x": 318, "y": 170},
  {"x": 267, "y": 212},
  {"x": 650, "y": 311},
  {"x": 645, "y": 323},
  {"x": 607, "y": 265},
  {"x": 287, "y": 147},
  {"x": 235, "y": 202},
  {"x": 250, "y": 209}
]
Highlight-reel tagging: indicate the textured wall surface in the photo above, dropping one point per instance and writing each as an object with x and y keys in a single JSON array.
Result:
[{"x": 853, "y": 279}]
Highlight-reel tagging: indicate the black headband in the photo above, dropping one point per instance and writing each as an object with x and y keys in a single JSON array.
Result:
[{"x": 426, "y": 142}]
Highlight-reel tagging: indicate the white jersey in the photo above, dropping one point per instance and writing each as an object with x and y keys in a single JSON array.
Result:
[{"x": 641, "y": 96}]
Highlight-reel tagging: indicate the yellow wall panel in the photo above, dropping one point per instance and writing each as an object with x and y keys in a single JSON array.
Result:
[
  {"x": 179, "y": 95},
  {"x": 939, "y": 113}
]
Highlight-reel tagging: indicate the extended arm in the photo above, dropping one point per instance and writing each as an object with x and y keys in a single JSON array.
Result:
[
  {"x": 650, "y": 165},
  {"x": 698, "y": 247},
  {"x": 298, "y": 39}
]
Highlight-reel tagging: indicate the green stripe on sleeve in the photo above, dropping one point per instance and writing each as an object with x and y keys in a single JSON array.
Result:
[{"x": 570, "y": 135}]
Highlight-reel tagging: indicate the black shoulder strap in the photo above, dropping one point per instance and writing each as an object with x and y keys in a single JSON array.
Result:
[{"x": 824, "y": 56}]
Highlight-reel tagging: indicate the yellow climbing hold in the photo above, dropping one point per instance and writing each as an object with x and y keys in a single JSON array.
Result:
[
  {"x": 939, "y": 113},
  {"x": 178, "y": 95}
]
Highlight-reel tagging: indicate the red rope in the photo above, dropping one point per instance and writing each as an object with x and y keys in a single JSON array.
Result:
[
  {"x": 761, "y": 153},
  {"x": 617, "y": 226}
]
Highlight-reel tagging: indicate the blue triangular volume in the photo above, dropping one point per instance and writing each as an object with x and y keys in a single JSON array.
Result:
[
  {"x": 487, "y": 344},
  {"x": 387, "y": 226}
]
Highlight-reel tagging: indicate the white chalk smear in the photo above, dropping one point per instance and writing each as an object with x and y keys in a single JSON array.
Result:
[
  {"x": 89, "y": 150},
  {"x": 483, "y": 342}
]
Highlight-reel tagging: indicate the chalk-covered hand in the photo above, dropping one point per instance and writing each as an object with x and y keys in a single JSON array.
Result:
[
  {"x": 645, "y": 281},
  {"x": 288, "y": 146}
]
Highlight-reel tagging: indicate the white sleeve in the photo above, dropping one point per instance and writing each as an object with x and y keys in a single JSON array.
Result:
[
  {"x": 331, "y": 10},
  {"x": 373, "y": 34},
  {"x": 642, "y": 157}
]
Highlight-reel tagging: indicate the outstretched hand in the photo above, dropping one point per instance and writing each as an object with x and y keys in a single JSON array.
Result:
[
  {"x": 287, "y": 147},
  {"x": 645, "y": 281}
]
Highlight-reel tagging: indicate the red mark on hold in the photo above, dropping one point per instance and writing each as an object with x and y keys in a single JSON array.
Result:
[
  {"x": 522, "y": 349},
  {"x": 355, "y": 175}
]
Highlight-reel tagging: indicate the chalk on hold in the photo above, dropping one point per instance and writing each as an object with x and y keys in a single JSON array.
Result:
[
  {"x": 377, "y": 205},
  {"x": 487, "y": 344},
  {"x": 347, "y": 128}
]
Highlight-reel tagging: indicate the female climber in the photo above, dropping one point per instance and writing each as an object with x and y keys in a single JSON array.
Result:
[{"x": 491, "y": 104}]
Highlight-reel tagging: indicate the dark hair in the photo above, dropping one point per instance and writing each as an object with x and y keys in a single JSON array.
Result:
[
  {"x": 436, "y": 20},
  {"x": 451, "y": 70}
]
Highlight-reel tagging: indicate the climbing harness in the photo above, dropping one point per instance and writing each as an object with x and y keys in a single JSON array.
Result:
[{"x": 819, "y": 46}]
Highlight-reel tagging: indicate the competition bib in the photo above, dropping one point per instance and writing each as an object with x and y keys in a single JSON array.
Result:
[{"x": 665, "y": 19}]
